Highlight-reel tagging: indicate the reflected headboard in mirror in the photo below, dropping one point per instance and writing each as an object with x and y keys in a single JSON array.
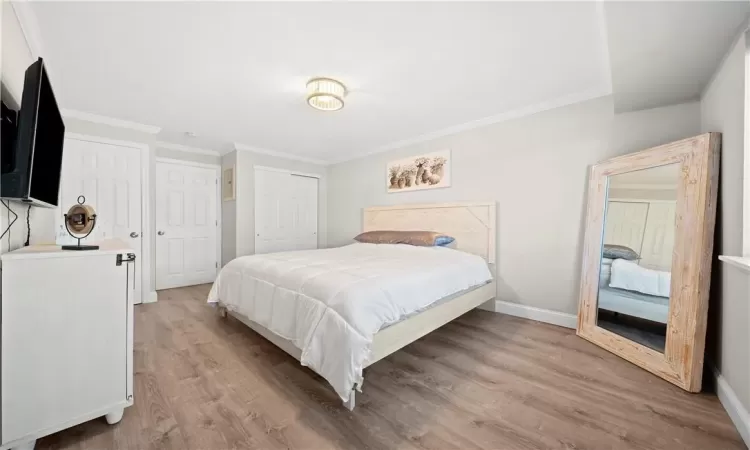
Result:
[
  {"x": 471, "y": 223},
  {"x": 647, "y": 257}
]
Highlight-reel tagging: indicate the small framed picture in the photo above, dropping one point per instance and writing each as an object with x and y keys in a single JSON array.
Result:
[{"x": 228, "y": 188}]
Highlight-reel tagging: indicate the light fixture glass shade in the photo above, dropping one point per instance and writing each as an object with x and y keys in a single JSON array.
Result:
[{"x": 325, "y": 94}]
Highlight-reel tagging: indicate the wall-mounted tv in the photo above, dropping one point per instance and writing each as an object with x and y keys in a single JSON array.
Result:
[{"x": 32, "y": 164}]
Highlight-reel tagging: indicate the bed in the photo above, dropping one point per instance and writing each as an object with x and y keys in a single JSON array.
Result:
[
  {"x": 341, "y": 310},
  {"x": 626, "y": 293}
]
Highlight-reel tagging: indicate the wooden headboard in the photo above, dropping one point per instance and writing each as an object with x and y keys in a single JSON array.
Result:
[{"x": 471, "y": 223}]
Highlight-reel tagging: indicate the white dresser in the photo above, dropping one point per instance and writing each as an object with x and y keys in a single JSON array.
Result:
[{"x": 67, "y": 339}]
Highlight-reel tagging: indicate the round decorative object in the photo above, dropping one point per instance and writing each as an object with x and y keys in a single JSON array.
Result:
[
  {"x": 79, "y": 222},
  {"x": 80, "y": 219}
]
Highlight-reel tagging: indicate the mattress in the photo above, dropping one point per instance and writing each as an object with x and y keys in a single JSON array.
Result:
[
  {"x": 330, "y": 303},
  {"x": 636, "y": 304}
]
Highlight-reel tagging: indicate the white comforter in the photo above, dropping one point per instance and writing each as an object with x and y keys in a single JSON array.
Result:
[
  {"x": 331, "y": 302},
  {"x": 629, "y": 275}
]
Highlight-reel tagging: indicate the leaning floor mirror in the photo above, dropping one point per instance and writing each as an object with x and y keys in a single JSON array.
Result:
[{"x": 647, "y": 257}]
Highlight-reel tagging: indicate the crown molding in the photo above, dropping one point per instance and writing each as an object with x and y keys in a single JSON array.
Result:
[
  {"x": 185, "y": 148},
  {"x": 111, "y": 121},
  {"x": 263, "y": 151},
  {"x": 491, "y": 120}
]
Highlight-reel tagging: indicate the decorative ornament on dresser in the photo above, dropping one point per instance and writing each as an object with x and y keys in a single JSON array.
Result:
[{"x": 428, "y": 171}]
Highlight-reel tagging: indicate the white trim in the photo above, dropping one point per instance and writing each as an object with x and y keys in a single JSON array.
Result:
[
  {"x": 746, "y": 176},
  {"x": 293, "y": 172},
  {"x": 503, "y": 117},
  {"x": 111, "y": 121},
  {"x": 737, "y": 412},
  {"x": 185, "y": 148},
  {"x": 540, "y": 315},
  {"x": 263, "y": 151},
  {"x": 187, "y": 163},
  {"x": 103, "y": 140},
  {"x": 218, "y": 173},
  {"x": 152, "y": 297},
  {"x": 736, "y": 261},
  {"x": 145, "y": 154}
]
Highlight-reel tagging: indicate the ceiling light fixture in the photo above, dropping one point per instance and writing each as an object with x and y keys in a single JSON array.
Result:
[{"x": 325, "y": 94}]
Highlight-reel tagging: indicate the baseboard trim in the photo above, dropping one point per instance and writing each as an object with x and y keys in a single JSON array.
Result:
[
  {"x": 152, "y": 297},
  {"x": 737, "y": 412},
  {"x": 540, "y": 315}
]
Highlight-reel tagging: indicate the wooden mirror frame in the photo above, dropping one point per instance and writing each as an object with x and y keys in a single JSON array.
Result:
[{"x": 695, "y": 216}]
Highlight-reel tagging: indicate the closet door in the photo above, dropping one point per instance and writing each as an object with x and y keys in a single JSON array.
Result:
[
  {"x": 286, "y": 211},
  {"x": 274, "y": 211},
  {"x": 626, "y": 222},
  {"x": 306, "y": 202}
]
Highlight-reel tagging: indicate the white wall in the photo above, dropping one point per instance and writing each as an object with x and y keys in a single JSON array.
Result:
[
  {"x": 723, "y": 109},
  {"x": 240, "y": 213},
  {"x": 228, "y": 216},
  {"x": 536, "y": 169}
]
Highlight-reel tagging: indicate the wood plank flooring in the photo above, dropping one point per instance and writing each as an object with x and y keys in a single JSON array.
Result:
[{"x": 483, "y": 381}]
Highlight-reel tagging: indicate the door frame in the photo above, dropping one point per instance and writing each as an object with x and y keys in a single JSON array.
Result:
[
  {"x": 217, "y": 170},
  {"x": 147, "y": 295}
]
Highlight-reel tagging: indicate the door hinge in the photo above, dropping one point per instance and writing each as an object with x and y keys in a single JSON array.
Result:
[{"x": 217, "y": 265}]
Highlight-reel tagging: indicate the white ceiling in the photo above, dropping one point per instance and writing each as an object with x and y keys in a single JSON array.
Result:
[
  {"x": 237, "y": 71},
  {"x": 663, "y": 53}
]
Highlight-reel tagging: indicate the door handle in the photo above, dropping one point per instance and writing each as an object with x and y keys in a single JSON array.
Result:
[
  {"x": 160, "y": 233},
  {"x": 134, "y": 234}
]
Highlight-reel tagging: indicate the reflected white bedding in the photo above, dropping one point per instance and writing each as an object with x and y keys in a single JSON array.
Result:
[
  {"x": 632, "y": 277},
  {"x": 330, "y": 303}
]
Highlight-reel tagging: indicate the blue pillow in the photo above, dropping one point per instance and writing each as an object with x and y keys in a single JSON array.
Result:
[{"x": 442, "y": 241}]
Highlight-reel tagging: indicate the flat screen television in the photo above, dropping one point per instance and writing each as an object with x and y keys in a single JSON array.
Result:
[{"x": 32, "y": 165}]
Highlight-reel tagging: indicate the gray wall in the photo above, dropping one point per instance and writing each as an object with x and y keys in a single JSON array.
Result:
[
  {"x": 722, "y": 109},
  {"x": 536, "y": 169},
  {"x": 241, "y": 212},
  {"x": 228, "y": 216}
]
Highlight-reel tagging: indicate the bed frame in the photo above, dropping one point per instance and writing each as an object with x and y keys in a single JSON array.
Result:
[{"x": 473, "y": 226}]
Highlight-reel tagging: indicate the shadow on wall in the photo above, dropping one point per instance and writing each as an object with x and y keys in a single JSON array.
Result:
[{"x": 712, "y": 353}]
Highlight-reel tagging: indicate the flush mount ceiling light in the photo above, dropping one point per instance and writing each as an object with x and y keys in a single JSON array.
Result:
[{"x": 325, "y": 94}]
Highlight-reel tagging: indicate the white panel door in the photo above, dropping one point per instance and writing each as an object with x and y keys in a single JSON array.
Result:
[
  {"x": 286, "y": 211},
  {"x": 625, "y": 223},
  {"x": 306, "y": 218},
  {"x": 274, "y": 212},
  {"x": 186, "y": 225},
  {"x": 109, "y": 176},
  {"x": 658, "y": 237}
]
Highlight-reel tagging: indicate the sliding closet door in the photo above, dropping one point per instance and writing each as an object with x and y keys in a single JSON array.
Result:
[
  {"x": 273, "y": 211},
  {"x": 306, "y": 217},
  {"x": 286, "y": 211}
]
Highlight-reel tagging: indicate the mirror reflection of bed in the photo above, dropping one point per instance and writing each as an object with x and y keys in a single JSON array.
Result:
[{"x": 635, "y": 275}]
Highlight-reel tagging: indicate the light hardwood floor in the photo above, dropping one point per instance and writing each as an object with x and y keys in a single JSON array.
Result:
[{"x": 483, "y": 381}]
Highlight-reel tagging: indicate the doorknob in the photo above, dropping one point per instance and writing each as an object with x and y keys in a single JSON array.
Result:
[
  {"x": 134, "y": 235},
  {"x": 160, "y": 233}
]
